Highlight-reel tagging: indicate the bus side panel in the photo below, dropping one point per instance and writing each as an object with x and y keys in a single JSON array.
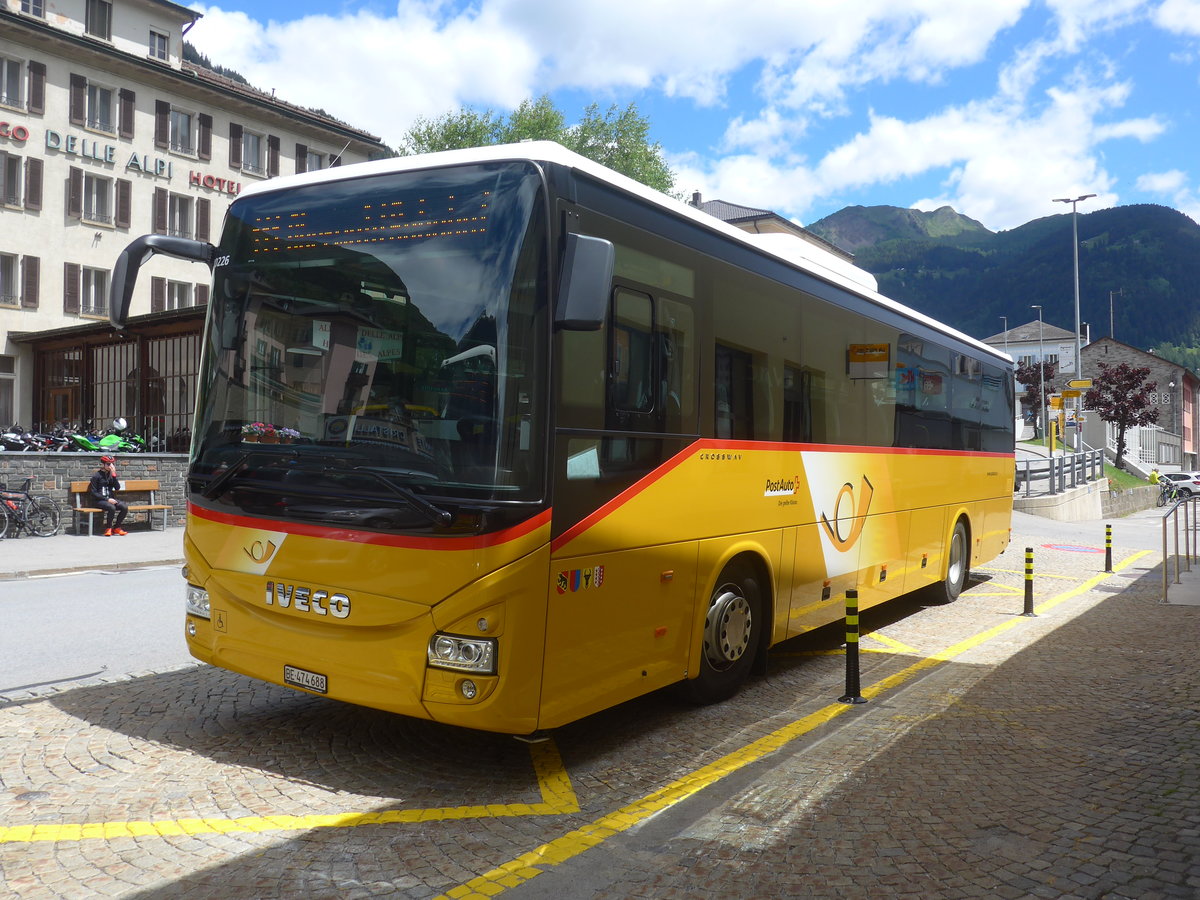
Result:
[
  {"x": 883, "y": 574},
  {"x": 618, "y": 626},
  {"x": 927, "y": 546},
  {"x": 817, "y": 598}
]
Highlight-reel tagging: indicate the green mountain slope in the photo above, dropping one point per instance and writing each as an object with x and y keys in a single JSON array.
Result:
[{"x": 954, "y": 269}]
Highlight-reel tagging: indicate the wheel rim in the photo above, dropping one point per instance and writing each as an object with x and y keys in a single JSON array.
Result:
[
  {"x": 958, "y": 555},
  {"x": 727, "y": 628}
]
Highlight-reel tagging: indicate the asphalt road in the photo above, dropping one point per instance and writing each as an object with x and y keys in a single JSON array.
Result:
[{"x": 73, "y": 630}]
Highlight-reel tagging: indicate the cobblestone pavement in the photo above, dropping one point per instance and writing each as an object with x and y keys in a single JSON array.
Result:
[{"x": 998, "y": 755}]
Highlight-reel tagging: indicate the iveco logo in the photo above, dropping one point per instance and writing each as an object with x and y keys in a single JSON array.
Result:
[{"x": 305, "y": 599}]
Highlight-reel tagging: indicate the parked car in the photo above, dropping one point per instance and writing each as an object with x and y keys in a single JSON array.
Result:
[{"x": 1187, "y": 483}]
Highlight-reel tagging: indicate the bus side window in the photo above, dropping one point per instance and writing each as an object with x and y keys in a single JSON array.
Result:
[
  {"x": 734, "y": 386},
  {"x": 676, "y": 366},
  {"x": 631, "y": 373}
]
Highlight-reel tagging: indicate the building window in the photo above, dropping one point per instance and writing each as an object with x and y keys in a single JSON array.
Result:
[
  {"x": 98, "y": 19},
  {"x": 100, "y": 108},
  {"x": 97, "y": 199},
  {"x": 159, "y": 45},
  {"x": 8, "y": 280},
  {"x": 181, "y": 132},
  {"x": 314, "y": 161},
  {"x": 179, "y": 294},
  {"x": 10, "y": 83},
  {"x": 252, "y": 153},
  {"x": 93, "y": 298},
  {"x": 10, "y": 179},
  {"x": 179, "y": 216},
  {"x": 34, "y": 8}
]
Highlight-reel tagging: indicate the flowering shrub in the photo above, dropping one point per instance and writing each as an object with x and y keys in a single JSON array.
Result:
[{"x": 288, "y": 432}]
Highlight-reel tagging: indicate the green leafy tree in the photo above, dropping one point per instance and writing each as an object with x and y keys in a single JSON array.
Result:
[
  {"x": 1122, "y": 396},
  {"x": 619, "y": 139},
  {"x": 1031, "y": 375}
]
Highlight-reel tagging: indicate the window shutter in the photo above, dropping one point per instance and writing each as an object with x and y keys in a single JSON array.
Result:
[
  {"x": 235, "y": 145},
  {"x": 272, "y": 156},
  {"x": 30, "y": 270},
  {"x": 78, "y": 103},
  {"x": 71, "y": 287},
  {"x": 37, "y": 88},
  {"x": 33, "y": 183},
  {"x": 158, "y": 294},
  {"x": 124, "y": 210},
  {"x": 75, "y": 193},
  {"x": 301, "y": 158},
  {"x": 160, "y": 211},
  {"x": 202, "y": 295},
  {"x": 125, "y": 114},
  {"x": 162, "y": 124},
  {"x": 204, "y": 145},
  {"x": 202, "y": 218}
]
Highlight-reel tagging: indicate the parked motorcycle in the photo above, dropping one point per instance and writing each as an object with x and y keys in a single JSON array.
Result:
[
  {"x": 17, "y": 439},
  {"x": 114, "y": 441}
]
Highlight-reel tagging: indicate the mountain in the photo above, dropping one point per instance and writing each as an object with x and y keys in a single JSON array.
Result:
[{"x": 953, "y": 268}]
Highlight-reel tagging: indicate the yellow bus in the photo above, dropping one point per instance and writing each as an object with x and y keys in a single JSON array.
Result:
[{"x": 501, "y": 438}]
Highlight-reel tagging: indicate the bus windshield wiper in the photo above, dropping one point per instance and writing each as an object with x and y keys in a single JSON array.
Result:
[
  {"x": 431, "y": 511},
  {"x": 240, "y": 464}
]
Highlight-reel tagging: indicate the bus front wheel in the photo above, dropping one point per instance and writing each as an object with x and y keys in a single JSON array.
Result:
[{"x": 732, "y": 627}]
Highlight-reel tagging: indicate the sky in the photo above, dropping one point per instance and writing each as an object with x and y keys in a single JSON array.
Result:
[{"x": 803, "y": 107}]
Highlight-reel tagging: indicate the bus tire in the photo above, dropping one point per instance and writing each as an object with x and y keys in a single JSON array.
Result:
[
  {"x": 732, "y": 635},
  {"x": 958, "y": 566}
]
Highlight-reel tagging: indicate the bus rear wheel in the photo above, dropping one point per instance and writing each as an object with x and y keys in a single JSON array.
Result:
[
  {"x": 732, "y": 630},
  {"x": 958, "y": 566}
]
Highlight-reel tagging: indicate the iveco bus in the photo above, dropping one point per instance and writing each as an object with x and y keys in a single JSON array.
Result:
[{"x": 500, "y": 438}]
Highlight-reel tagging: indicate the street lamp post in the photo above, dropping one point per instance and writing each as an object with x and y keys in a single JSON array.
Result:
[
  {"x": 1075, "y": 249},
  {"x": 1111, "y": 333},
  {"x": 1004, "y": 320},
  {"x": 1042, "y": 374}
]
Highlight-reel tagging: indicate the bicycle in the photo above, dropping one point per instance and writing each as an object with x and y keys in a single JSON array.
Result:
[
  {"x": 21, "y": 511},
  {"x": 1168, "y": 492}
]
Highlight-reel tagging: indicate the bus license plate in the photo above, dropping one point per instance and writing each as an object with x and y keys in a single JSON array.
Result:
[{"x": 302, "y": 678}]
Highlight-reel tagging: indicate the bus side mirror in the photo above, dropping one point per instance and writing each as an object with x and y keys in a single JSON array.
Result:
[
  {"x": 586, "y": 283},
  {"x": 125, "y": 271}
]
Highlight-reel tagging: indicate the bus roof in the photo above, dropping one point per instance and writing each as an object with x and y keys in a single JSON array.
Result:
[{"x": 793, "y": 250}]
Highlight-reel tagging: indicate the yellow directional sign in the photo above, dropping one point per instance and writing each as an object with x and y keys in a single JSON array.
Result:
[
  {"x": 1069, "y": 394},
  {"x": 1055, "y": 401},
  {"x": 1081, "y": 384}
]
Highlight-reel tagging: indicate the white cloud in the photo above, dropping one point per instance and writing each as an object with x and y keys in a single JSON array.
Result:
[
  {"x": 1162, "y": 182},
  {"x": 1179, "y": 16}
]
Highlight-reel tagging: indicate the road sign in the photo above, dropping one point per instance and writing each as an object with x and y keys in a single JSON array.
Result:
[
  {"x": 1070, "y": 394},
  {"x": 1055, "y": 401},
  {"x": 1081, "y": 384}
]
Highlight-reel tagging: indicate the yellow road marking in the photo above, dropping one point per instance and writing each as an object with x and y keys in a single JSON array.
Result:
[
  {"x": 558, "y": 797},
  {"x": 525, "y": 867},
  {"x": 894, "y": 644}
]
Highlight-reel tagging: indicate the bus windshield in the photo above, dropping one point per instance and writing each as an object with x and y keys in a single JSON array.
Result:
[{"x": 376, "y": 349}]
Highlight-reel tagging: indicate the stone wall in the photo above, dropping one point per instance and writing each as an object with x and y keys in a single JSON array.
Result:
[
  {"x": 53, "y": 473},
  {"x": 1123, "y": 503}
]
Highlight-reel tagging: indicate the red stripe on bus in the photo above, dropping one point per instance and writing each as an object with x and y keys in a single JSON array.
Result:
[
  {"x": 759, "y": 446},
  {"x": 476, "y": 542}
]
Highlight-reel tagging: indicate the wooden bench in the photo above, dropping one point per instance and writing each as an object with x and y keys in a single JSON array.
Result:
[{"x": 147, "y": 503}]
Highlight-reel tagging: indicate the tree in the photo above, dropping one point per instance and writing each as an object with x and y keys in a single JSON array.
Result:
[
  {"x": 1033, "y": 376},
  {"x": 1122, "y": 396},
  {"x": 617, "y": 139}
]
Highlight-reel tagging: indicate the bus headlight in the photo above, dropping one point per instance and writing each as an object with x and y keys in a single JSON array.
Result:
[
  {"x": 197, "y": 602},
  {"x": 463, "y": 654}
]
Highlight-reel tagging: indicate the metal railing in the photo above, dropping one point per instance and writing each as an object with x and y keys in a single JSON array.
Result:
[
  {"x": 1180, "y": 517},
  {"x": 1060, "y": 472}
]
